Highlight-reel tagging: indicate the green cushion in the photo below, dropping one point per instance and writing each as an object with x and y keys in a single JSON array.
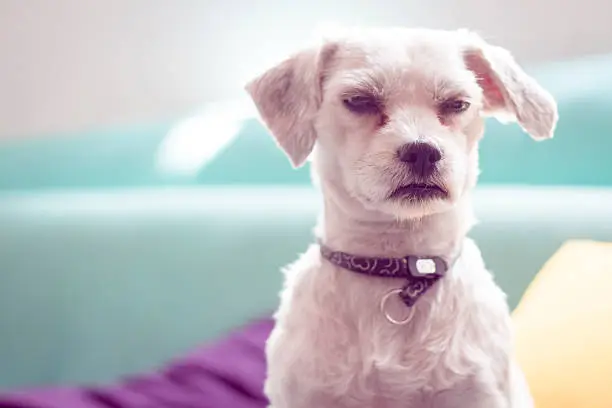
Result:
[
  {"x": 96, "y": 284},
  {"x": 122, "y": 156}
]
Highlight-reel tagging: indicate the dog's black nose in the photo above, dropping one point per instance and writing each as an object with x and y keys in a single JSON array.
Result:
[{"x": 422, "y": 157}]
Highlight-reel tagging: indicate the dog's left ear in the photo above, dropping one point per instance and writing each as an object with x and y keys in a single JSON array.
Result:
[
  {"x": 288, "y": 97},
  {"x": 509, "y": 93}
]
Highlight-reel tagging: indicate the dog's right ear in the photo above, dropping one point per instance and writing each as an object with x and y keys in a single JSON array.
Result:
[{"x": 288, "y": 97}]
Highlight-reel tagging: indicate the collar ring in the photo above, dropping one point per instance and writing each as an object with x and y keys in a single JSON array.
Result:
[{"x": 383, "y": 308}]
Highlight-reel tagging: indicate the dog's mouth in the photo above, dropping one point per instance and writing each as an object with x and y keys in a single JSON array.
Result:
[{"x": 419, "y": 192}]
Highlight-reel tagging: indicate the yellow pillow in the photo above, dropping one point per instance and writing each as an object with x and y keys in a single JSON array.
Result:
[{"x": 564, "y": 328}]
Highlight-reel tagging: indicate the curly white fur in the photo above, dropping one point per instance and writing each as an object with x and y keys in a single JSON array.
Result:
[{"x": 332, "y": 347}]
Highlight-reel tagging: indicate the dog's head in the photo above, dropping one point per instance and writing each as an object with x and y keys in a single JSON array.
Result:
[{"x": 396, "y": 114}]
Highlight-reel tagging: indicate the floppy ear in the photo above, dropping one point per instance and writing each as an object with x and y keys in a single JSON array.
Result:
[
  {"x": 288, "y": 97},
  {"x": 509, "y": 93}
]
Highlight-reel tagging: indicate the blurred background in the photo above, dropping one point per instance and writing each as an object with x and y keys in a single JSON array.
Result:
[{"x": 144, "y": 210}]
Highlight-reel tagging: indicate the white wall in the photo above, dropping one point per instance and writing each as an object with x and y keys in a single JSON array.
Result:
[{"x": 74, "y": 64}]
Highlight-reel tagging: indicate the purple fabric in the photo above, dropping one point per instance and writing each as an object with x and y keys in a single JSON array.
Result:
[
  {"x": 228, "y": 374},
  {"x": 416, "y": 283}
]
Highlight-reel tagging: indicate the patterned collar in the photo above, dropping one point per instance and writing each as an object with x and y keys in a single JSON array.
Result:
[{"x": 419, "y": 273}]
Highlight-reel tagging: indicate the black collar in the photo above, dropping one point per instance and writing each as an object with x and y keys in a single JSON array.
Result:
[{"x": 419, "y": 273}]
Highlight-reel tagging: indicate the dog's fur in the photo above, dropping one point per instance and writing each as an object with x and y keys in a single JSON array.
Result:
[{"x": 332, "y": 347}]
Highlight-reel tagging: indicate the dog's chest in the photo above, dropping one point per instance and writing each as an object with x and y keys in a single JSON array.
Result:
[
  {"x": 396, "y": 361},
  {"x": 332, "y": 339},
  {"x": 371, "y": 372},
  {"x": 378, "y": 363}
]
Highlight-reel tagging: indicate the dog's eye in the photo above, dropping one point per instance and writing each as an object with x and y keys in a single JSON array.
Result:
[
  {"x": 453, "y": 106},
  {"x": 362, "y": 104}
]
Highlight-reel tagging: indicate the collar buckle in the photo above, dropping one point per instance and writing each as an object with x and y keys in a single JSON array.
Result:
[{"x": 426, "y": 267}]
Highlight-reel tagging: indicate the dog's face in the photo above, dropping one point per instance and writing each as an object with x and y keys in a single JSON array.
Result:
[{"x": 397, "y": 114}]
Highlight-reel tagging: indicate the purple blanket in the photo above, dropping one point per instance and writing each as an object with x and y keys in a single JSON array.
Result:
[{"x": 228, "y": 374}]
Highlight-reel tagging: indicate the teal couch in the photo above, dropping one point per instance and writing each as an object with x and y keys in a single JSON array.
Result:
[{"x": 110, "y": 267}]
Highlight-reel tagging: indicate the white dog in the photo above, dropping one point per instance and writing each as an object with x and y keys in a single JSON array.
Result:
[{"x": 393, "y": 308}]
